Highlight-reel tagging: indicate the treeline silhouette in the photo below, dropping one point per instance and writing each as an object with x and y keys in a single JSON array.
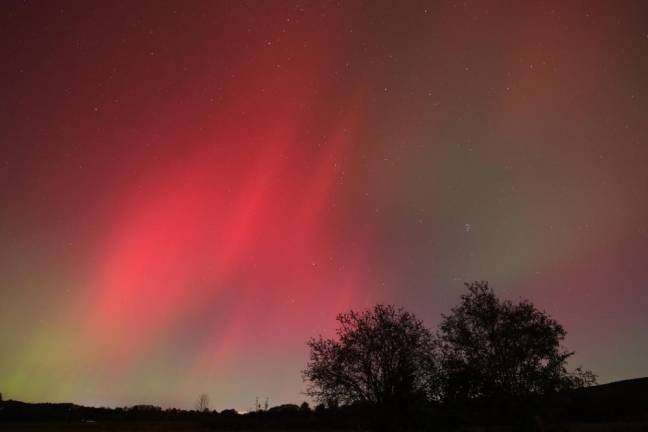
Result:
[
  {"x": 624, "y": 401},
  {"x": 490, "y": 363}
]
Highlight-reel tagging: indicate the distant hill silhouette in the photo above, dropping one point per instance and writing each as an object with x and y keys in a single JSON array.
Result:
[{"x": 625, "y": 400}]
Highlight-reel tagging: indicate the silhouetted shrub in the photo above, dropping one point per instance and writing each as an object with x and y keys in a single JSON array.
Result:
[
  {"x": 502, "y": 356},
  {"x": 381, "y": 357}
]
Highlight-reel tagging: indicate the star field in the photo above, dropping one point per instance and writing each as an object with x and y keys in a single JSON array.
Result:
[{"x": 190, "y": 191}]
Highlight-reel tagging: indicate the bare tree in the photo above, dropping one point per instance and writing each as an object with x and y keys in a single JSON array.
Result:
[
  {"x": 381, "y": 357},
  {"x": 202, "y": 404}
]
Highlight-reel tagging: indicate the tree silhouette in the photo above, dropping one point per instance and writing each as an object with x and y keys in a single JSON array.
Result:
[
  {"x": 494, "y": 349},
  {"x": 381, "y": 357},
  {"x": 202, "y": 404}
]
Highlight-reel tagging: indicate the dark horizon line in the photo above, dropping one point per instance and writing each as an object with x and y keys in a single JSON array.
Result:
[{"x": 598, "y": 385}]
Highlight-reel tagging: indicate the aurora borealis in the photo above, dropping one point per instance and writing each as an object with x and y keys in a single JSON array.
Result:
[{"x": 190, "y": 190}]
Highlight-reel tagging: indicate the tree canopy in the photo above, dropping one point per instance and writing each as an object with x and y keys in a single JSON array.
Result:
[
  {"x": 380, "y": 356},
  {"x": 489, "y": 357},
  {"x": 494, "y": 348}
]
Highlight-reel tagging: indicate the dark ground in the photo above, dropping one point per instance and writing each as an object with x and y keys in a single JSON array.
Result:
[{"x": 618, "y": 406}]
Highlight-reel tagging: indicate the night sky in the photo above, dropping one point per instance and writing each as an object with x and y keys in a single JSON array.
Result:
[{"x": 190, "y": 190}]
